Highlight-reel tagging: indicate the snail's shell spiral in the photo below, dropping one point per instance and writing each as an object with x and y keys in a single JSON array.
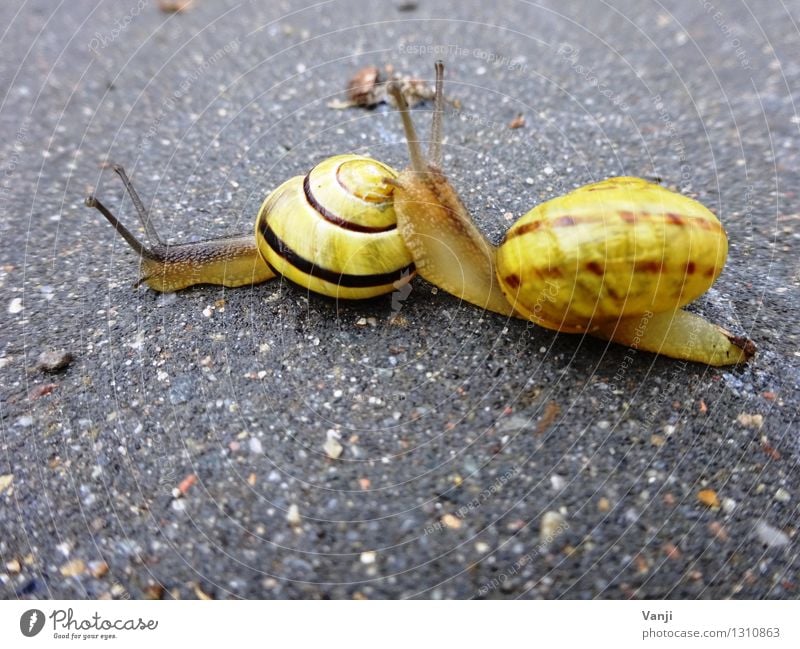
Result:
[{"x": 334, "y": 231}]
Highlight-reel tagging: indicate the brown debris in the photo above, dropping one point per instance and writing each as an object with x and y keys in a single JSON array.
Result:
[
  {"x": 551, "y": 411},
  {"x": 42, "y": 391},
  {"x": 517, "y": 122},
  {"x": 98, "y": 568},
  {"x": 368, "y": 87},
  {"x": 708, "y": 497},
  {"x": 173, "y": 6},
  {"x": 718, "y": 531},
  {"x": 361, "y": 89},
  {"x": 770, "y": 450},
  {"x": 186, "y": 484}
]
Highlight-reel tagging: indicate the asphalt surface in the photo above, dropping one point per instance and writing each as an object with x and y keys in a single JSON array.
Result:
[{"x": 480, "y": 457}]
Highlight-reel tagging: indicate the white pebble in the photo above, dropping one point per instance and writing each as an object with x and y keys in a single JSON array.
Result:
[
  {"x": 782, "y": 496},
  {"x": 15, "y": 306},
  {"x": 293, "y": 515},
  {"x": 255, "y": 446},
  {"x": 368, "y": 558},
  {"x": 552, "y": 525},
  {"x": 333, "y": 449},
  {"x": 771, "y": 536}
]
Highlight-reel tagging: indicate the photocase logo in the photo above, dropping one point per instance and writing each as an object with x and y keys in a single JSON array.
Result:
[{"x": 31, "y": 622}]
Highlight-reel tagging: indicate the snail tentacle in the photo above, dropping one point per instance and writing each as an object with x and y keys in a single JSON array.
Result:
[
  {"x": 228, "y": 261},
  {"x": 448, "y": 249}
]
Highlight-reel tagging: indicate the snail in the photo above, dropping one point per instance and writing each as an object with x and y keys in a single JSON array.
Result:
[
  {"x": 333, "y": 231},
  {"x": 617, "y": 259}
]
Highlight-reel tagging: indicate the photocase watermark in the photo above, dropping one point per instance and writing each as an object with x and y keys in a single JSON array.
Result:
[
  {"x": 677, "y": 142},
  {"x": 524, "y": 560},
  {"x": 630, "y": 353},
  {"x": 571, "y": 54},
  {"x": 67, "y": 626},
  {"x": 402, "y": 290},
  {"x": 171, "y": 102},
  {"x": 515, "y": 63},
  {"x": 102, "y": 40},
  {"x": 476, "y": 502},
  {"x": 13, "y": 159},
  {"x": 719, "y": 19}
]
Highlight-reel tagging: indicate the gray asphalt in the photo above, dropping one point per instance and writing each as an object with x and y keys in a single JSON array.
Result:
[{"x": 481, "y": 458}]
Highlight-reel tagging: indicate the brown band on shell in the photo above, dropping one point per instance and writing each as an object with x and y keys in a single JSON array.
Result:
[
  {"x": 338, "y": 220},
  {"x": 569, "y": 220}
]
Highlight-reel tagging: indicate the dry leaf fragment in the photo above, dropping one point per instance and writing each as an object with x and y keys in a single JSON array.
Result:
[{"x": 173, "y": 6}]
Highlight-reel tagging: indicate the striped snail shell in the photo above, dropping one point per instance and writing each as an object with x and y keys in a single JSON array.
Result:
[
  {"x": 617, "y": 248},
  {"x": 334, "y": 231}
]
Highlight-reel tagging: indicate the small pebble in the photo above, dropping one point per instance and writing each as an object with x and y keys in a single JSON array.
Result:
[
  {"x": 5, "y": 481},
  {"x": 15, "y": 306},
  {"x": 718, "y": 530},
  {"x": 98, "y": 568},
  {"x": 771, "y": 536},
  {"x": 782, "y": 496},
  {"x": 728, "y": 505},
  {"x": 552, "y": 525},
  {"x": 750, "y": 421},
  {"x": 13, "y": 566},
  {"x": 293, "y": 515},
  {"x": 451, "y": 521},
  {"x": 73, "y": 568},
  {"x": 368, "y": 558},
  {"x": 708, "y": 497},
  {"x": 482, "y": 547},
  {"x": 255, "y": 446},
  {"x": 53, "y": 360},
  {"x": 333, "y": 449},
  {"x": 603, "y": 504}
]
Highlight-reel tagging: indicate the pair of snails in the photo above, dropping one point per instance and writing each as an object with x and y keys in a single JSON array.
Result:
[{"x": 615, "y": 259}]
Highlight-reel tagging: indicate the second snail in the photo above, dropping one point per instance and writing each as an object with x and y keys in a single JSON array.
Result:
[{"x": 617, "y": 259}]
